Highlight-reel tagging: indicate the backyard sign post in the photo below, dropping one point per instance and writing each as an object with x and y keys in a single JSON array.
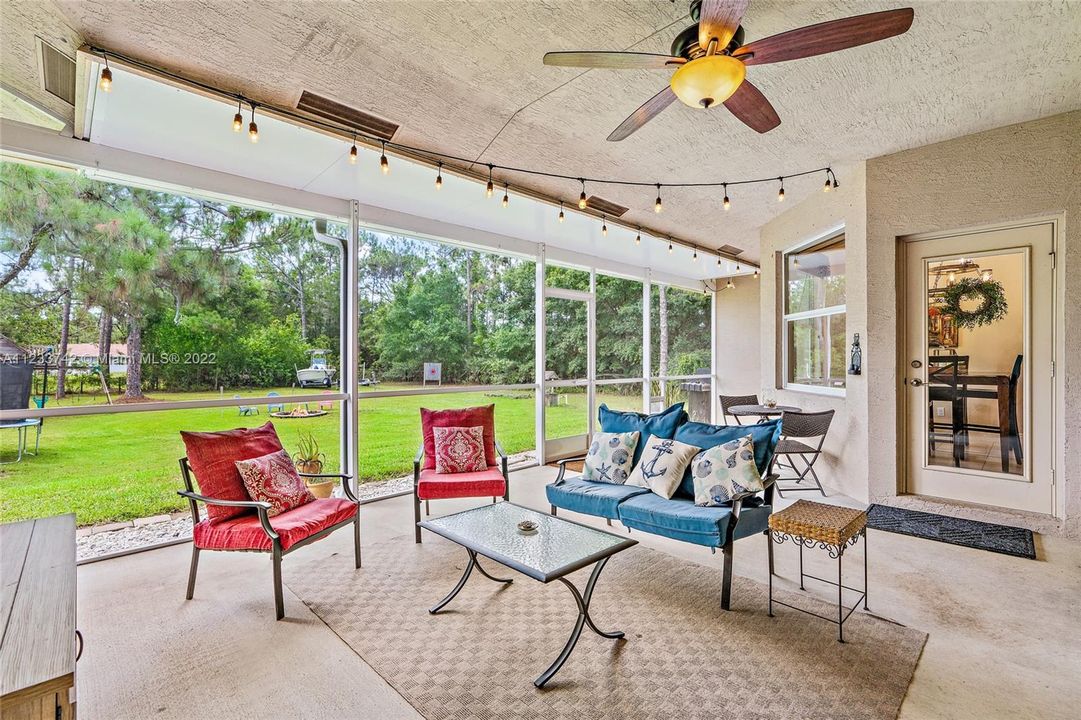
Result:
[{"x": 433, "y": 372}]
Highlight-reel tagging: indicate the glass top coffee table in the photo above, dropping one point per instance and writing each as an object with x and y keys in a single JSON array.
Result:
[{"x": 557, "y": 548}]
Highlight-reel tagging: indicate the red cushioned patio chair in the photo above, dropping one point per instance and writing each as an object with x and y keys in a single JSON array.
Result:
[
  {"x": 253, "y": 530},
  {"x": 428, "y": 485}
]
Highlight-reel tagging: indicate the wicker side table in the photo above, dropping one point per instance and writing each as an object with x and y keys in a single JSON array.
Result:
[{"x": 830, "y": 527}]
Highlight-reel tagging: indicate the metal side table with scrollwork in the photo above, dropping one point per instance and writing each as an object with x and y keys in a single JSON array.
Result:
[{"x": 831, "y": 528}]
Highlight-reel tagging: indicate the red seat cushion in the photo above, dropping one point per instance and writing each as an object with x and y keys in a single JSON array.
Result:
[
  {"x": 245, "y": 532},
  {"x": 484, "y": 416},
  {"x": 483, "y": 483},
  {"x": 213, "y": 456}
]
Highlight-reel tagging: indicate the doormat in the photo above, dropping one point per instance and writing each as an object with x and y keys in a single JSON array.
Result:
[{"x": 1003, "y": 539}]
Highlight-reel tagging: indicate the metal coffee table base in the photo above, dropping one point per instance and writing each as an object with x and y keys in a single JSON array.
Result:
[{"x": 582, "y": 599}]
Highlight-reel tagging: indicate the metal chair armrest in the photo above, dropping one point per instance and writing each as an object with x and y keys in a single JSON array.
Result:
[
  {"x": 346, "y": 487},
  {"x": 500, "y": 451},
  {"x": 260, "y": 507},
  {"x": 563, "y": 467},
  {"x": 420, "y": 455}
]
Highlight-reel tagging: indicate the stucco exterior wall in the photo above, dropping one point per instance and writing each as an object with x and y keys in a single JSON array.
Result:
[
  {"x": 738, "y": 339},
  {"x": 1014, "y": 173}
]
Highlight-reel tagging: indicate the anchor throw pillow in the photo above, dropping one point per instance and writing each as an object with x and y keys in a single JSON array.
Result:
[
  {"x": 662, "y": 465},
  {"x": 725, "y": 471},
  {"x": 610, "y": 457},
  {"x": 459, "y": 449}
]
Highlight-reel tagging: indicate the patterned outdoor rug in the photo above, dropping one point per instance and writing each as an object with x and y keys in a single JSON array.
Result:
[
  {"x": 1004, "y": 539},
  {"x": 683, "y": 657}
]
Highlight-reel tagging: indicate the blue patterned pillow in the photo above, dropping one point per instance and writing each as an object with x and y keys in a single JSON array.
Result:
[
  {"x": 610, "y": 456},
  {"x": 764, "y": 435},
  {"x": 724, "y": 471},
  {"x": 659, "y": 425}
]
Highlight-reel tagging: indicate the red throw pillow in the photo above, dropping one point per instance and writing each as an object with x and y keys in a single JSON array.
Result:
[
  {"x": 459, "y": 449},
  {"x": 483, "y": 416},
  {"x": 213, "y": 456},
  {"x": 274, "y": 479}
]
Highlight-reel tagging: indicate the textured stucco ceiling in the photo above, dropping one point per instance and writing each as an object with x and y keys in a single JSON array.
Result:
[{"x": 455, "y": 75}]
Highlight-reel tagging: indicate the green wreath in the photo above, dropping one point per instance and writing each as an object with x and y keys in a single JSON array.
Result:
[{"x": 992, "y": 307}]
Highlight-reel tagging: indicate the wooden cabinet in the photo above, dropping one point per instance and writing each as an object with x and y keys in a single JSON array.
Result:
[{"x": 37, "y": 618}]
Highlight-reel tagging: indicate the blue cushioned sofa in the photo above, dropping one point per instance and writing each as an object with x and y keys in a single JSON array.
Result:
[{"x": 677, "y": 518}]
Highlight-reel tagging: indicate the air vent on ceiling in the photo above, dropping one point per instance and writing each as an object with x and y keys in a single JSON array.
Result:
[
  {"x": 57, "y": 73},
  {"x": 730, "y": 250},
  {"x": 360, "y": 121},
  {"x": 605, "y": 206}
]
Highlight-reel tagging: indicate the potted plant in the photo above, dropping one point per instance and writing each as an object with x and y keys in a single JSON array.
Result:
[{"x": 309, "y": 459}]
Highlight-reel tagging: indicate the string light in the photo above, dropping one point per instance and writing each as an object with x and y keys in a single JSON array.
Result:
[
  {"x": 835, "y": 183},
  {"x": 238, "y": 119},
  {"x": 737, "y": 267},
  {"x": 489, "y": 188},
  {"x": 384, "y": 165},
  {"x": 439, "y": 177},
  {"x": 106, "y": 80},
  {"x": 669, "y": 246},
  {"x": 727, "y": 202},
  {"x": 253, "y": 129},
  {"x": 560, "y": 211},
  {"x": 658, "y": 206},
  {"x": 829, "y": 183},
  {"x": 638, "y": 237},
  {"x": 506, "y": 195},
  {"x": 756, "y": 273},
  {"x": 582, "y": 197},
  {"x": 604, "y": 226},
  {"x": 353, "y": 151},
  {"x": 780, "y": 193},
  {"x": 730, "y": 285},
  {"x": 695, "y": 258},
  {"x": 718, "y": 261}
]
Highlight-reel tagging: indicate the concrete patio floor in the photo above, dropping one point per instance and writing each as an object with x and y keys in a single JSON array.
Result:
[{"x": 1005, "y": 633}]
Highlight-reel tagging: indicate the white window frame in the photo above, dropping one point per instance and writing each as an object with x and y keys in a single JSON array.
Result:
[{"x": 788, "y": 318}]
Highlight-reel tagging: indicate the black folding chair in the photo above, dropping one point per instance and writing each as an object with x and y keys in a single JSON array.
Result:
[
  {"x": 728, "y": 401},
  {"x": 803, "y": 426}
]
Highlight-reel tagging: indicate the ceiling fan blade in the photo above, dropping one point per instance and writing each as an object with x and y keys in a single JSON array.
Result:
[
  {"x": 719, "y": 19},
  {"x": 650, "y": 109},
  {"x": 826, "y": 37},
  {"x": 612, "y": 60},
  {"x": 751, "y": 106}
]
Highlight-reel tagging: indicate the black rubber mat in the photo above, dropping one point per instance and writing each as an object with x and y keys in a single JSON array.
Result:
[{"x": 955, "y": 531}]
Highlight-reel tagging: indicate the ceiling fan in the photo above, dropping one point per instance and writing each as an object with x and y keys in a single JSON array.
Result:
[{"x": 710, "y": 59}]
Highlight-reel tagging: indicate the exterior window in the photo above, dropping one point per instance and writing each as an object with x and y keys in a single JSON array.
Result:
[{"x": 814, "y": 317}]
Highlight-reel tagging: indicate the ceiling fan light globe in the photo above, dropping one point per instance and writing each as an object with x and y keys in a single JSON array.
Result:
[{"x": 708, "y": 81}]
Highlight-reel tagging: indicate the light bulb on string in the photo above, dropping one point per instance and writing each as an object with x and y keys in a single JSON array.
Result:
[
  {"x": 439, "y": 177},
  {"x": 604, "y": 226},
  {"x": 718, "y": 261},
  {"x": 756, "y": 273},
  {"x": 105, "y": 83},
  {"x": 730, "y": 285},
  {"x": 253, "y": 129},
  {"x": 506, "y": 195},
  {"x": 582, "y": 197},
  {"x": 780, "y": 193},
  {"x": 658, "y": 205},
  {"x": 835, "y": 183},
  {"x": 384, "y": 164},
  {"x": 695, "y": 257},
  {"x": 353, "y": 151},
  {"x": 829, "y": 183},
  {"x": 489, "y": 188},
  {"x": 638, "y": 237},
  {"x": 727, "y": 202},
  {"x": 561, "y": 217},
  {"x": 669, "y": 246},
  {"x": 238, "y": 119}
]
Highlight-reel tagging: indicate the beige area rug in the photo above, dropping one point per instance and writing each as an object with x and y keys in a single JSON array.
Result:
[{"x": 683, "y": 657}]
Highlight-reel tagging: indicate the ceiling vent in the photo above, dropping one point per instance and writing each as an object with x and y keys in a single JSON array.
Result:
[
  {"x": 605, "y": 207},
  {"x": 57, "y": 73},
  {"x": 730, "y": 250},
  {"x": 352, "y": 118}
]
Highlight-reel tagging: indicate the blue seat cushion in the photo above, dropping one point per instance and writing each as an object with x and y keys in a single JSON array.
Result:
[
  {"x": 680, "y": 519},
  {"x": 764, "y": 436},
  {"x": 591, "y": 498},
  {"x": 662, "y": 424}
]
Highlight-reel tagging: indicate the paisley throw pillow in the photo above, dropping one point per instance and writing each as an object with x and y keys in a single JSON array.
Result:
[
  {"x": 274, "y": 479},
  {"x": 610, "y": 457},
  {"x": 724, "y": 471},
  {"x": 662, "y": 465},
  {"x": 459, "y": 449}
]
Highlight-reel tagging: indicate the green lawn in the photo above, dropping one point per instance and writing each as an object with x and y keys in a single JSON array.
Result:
[{"x": 123, "y": 466}]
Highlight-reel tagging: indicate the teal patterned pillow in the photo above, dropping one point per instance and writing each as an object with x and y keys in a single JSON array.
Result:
[
  {"x": 610, "y": 456},
  {"x": 724, "y": 471}
]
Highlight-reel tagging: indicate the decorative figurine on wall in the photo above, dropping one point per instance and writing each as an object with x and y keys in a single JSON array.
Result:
[{"x": 856, "y": 367}]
